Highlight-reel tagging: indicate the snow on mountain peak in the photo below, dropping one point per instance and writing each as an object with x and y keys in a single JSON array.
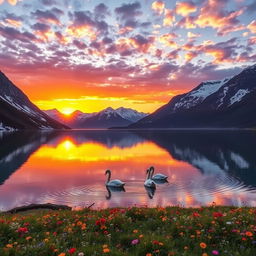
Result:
[{"x": 200, "y": 93}]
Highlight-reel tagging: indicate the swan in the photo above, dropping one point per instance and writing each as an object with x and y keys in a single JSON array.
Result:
[
  {"x": 149, "y": 183},
  {"x": 158, "y": 176},
  {"x": 113, "y": 183}
]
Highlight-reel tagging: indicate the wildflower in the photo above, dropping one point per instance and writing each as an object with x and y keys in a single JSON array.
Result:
[
  {"x": 217, "y": 214},
  {"x": 135, "y": 241},
  {"x": 135, "y": 231},
  {"x": 185, "y": 247},
  {"x": 22, "y": 230},
  {"x": 9, "y": 246},
  {"x": 204, "y": 254},
  {"x": 80, "y": 254},
  {"x": 248, "y": 233},
  {"x": 149, "y": 254},
  {"x": 106, "y": 250},
  {"x": 215, "y": 252},
  {"x": 203, "y": 245},
  {"x": 196, "y": 214},
  {"x": 72, "y": 250},
  {"x": 28, "y": 238},
  {"x": 62, "y": 254}
]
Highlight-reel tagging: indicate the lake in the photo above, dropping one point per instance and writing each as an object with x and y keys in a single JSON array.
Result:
[{"x": 204, "y": 167}]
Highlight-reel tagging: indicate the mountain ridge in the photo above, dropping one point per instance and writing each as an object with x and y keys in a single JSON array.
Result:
[
  {"x": 105, "y": 118},
  {"x": 17, "y": 112},
  {"x": 230, "y": 106}
]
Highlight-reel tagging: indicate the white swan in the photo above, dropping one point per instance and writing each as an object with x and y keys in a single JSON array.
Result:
[
  {"x": 149, "y": 183},
  {"x": 158, "y": 176},
  {"x": 113, "y": 183}
]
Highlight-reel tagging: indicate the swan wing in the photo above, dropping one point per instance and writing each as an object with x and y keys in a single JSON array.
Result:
[
  {"x": 159, "y": 176},
  {"x": 115, "y": 183}
]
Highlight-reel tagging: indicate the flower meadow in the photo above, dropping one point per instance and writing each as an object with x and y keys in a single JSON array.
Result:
[{"x": 131, "y": 231}]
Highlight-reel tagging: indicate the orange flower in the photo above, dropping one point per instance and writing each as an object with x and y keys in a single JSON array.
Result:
[
  {"x": 149, "y": 254},
  {"x": 106, "y": 250},
  {"x": 62, "y": 254},
  {"x": 9, "y": 246},
  {"x": 204, "y": 254},
  {"x": 248, "y": 233},
  {"x": 203, "y": 245}
]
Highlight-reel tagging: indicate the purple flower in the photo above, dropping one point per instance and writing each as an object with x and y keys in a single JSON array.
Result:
[
  {"x": 135, "y": 241},
  {"x": 215, "y": 252}
]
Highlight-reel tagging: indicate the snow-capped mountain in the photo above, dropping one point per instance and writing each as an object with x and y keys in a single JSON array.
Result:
[
  {"x": 229, "y": 103},
  {"x": 106, "y": 118},
  {"x": 18, "y": 112}
]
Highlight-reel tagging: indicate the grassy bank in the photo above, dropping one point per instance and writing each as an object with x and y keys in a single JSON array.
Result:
[{"x": 132, "y": 231}]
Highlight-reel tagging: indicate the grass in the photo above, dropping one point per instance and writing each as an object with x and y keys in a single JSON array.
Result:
[{"x": 131, "y": 231}]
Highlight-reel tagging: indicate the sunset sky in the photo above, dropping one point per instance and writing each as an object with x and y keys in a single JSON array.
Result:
[{"x": 90, "y": 54}]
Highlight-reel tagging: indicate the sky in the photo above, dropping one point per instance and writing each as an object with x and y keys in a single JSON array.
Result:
[{"x": 90, "y": 54}]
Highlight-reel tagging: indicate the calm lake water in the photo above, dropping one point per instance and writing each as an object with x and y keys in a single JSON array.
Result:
[{"x": 68, "y": 168}]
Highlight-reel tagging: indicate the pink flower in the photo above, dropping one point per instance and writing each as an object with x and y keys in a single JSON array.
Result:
[
  {"x": 135, "y": 241},
  {"x": 215, "y": 252}
]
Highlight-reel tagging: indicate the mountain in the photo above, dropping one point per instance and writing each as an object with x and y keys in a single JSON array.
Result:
[
  {"x": 18, "y": 112},
  {"x": 228, "y": 103},
  {"x": 106, "y": 118}
]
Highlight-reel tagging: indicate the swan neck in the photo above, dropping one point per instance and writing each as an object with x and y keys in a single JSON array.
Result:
[{"x": 109, "y": 176}]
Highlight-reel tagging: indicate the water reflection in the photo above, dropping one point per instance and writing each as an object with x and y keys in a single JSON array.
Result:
[{"x": 69, "y": 168}]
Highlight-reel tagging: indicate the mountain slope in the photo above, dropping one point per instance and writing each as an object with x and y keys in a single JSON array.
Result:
[
  {"x": 18, "y": 112},
  {"x": 106, "y": 118},
  {"x": 227, "y": 103}
]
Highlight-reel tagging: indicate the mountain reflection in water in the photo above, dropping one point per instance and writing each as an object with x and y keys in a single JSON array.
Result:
[{"x": 68, "y": 167}]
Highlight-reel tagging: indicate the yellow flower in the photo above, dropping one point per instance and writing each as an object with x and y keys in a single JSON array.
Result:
[
  {"x": 105, "y": 246},
  {"x": 203, "y": 245}
]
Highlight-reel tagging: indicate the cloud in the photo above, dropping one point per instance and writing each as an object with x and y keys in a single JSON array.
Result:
[
  {"x": 128, "y": 13},
  {"x": 14, "y": 34},
  {"x": 158, "y": 7},
  {"x": 169, "y": 17},
  {"x": 47, "y": 16},
  {"x": 213, "y": 14},
  {"x": 185, "y": 8},
  {"x": 252, "y": 26}
]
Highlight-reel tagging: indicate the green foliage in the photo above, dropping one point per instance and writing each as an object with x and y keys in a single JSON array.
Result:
[{"x": 133, "y": 231}]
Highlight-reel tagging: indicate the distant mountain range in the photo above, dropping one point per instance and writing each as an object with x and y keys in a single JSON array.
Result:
[
  {"x": 228, "y": 103},
  {"x": 106, "y": 118},
  {"x": 18, "y": 112}
]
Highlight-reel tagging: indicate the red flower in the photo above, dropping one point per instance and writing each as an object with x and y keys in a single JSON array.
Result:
[
  {"x": 59, "y": 222},
  {"x": 196, "y": 214},
  {"x": 72, "y": 250},
  {"x": 217, "y": 214},
  {"x": 102, "y": 221},
  {"x": 22, "y": 230}
]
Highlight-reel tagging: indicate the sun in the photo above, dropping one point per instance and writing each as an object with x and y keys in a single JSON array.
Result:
[{"x": 67, "y": 111}]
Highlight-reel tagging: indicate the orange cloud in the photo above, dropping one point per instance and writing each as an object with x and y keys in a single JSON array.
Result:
[
  {"x": 185, "y": 8},
  {"x": 190, "y": 55},
  {"x": 167, "y": 39},
  {"x": 12, "y": 2},
  {"x": 252, "y": 26},
  {"x": 14, "y": 23},
  {"x": 169, "y": 18},
  {"x": 158, "y": 7},
  {"x": 212, "y": 15},
  {"x": 81, "y": 31}
]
